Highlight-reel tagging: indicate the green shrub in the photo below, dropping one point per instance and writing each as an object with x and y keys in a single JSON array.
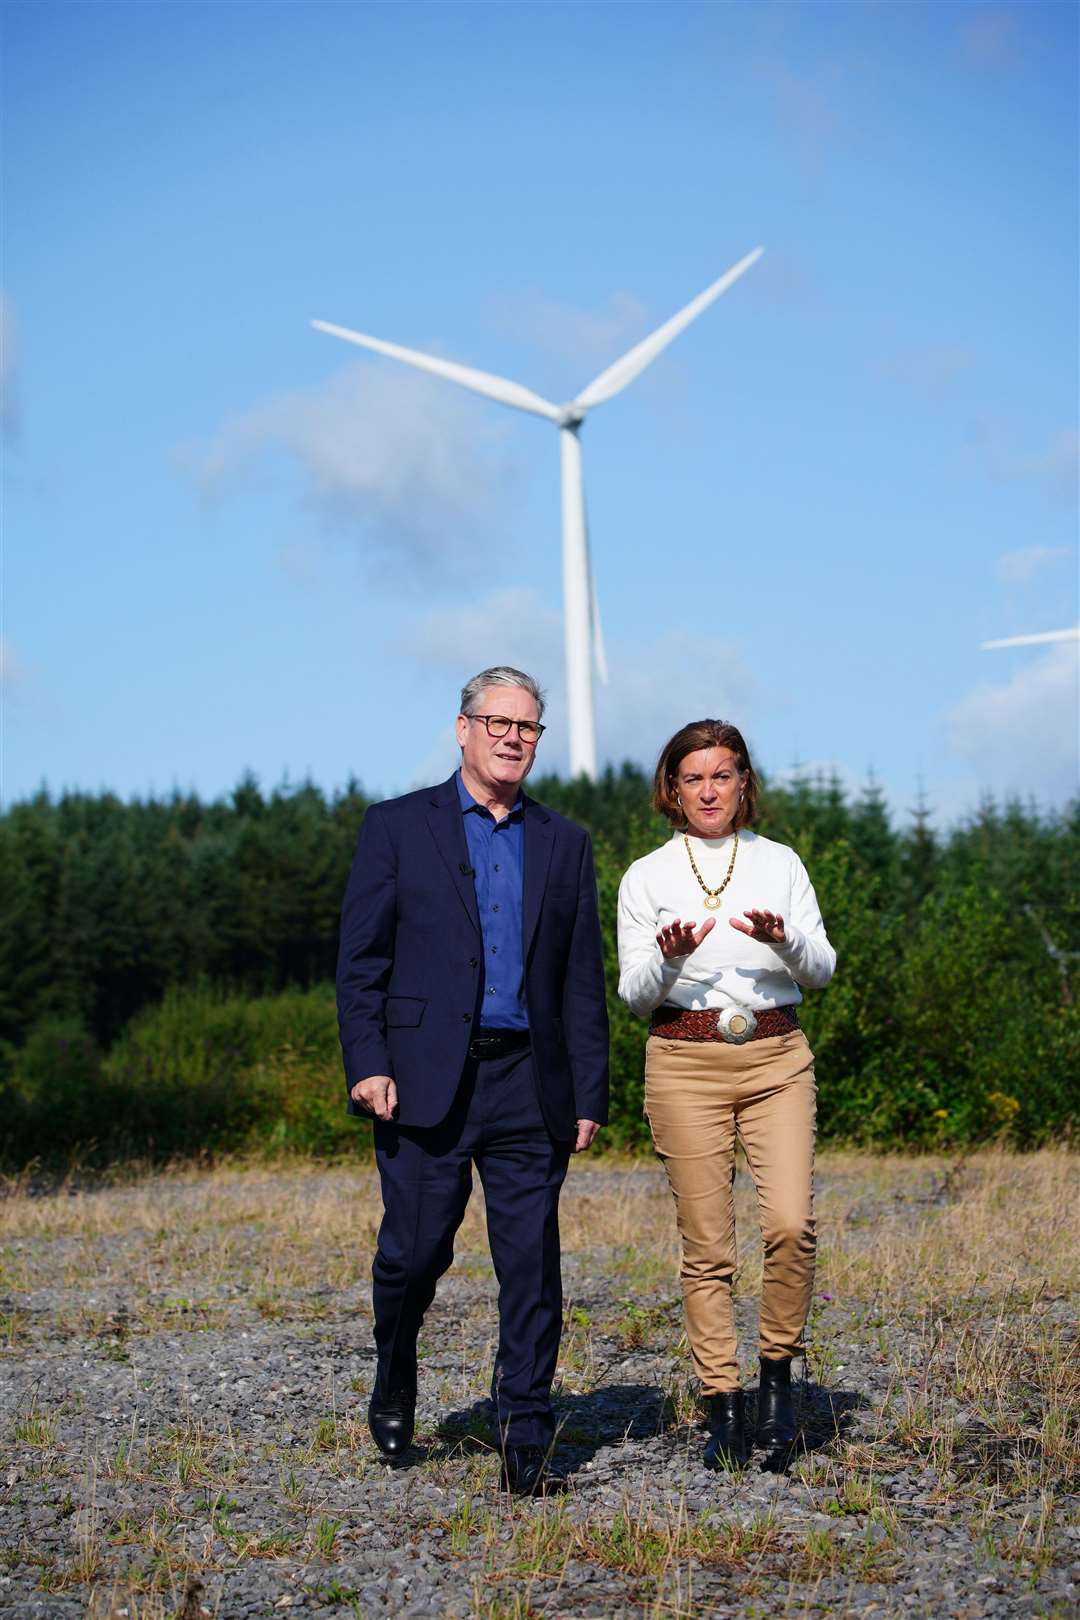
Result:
[
  {"x": 202, "y": 1072},
  {"x": 231, "y": 1073},
  {"x": 54, "y": 1098},
  {"x": 628, "y": 1033},
  {"x": 954, "y": 1016}
]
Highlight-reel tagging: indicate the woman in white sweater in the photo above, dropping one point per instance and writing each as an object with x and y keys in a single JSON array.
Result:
[{"x": 726, "y": 1060}]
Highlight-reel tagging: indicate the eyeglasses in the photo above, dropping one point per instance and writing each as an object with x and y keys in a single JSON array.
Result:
[{"x": 497, "y": 725}]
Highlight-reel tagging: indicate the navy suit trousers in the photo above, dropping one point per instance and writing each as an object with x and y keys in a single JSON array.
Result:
[{"x": 426, "y": 1172}]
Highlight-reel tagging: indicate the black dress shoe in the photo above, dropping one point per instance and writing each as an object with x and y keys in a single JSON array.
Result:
[
  {"x": 775, "y": 1414},
  {"x": 526, "y": 1473},
  {"x": 391, "y": 1418},
  {"x": 726, "y": 1446}
]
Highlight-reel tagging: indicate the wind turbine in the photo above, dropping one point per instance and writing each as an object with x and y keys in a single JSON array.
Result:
[
  {"x": 1032, "y": 640},
  {"x": 580, "y": 611}
]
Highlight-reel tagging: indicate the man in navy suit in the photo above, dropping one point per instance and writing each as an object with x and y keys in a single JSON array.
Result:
[{"x": 474, "y": 1031}]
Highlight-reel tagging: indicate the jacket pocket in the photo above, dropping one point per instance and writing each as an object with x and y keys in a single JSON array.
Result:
[{"x": 404, "y": 1012}]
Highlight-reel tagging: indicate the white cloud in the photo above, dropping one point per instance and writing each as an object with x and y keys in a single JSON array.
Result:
[
  {"x": 9, "y": 407},
  {"x": 989, "y": 38},
  {"x": 590, "y": 339},
  {"x": 398, "y": 457},
  {"x": 441, "y": 758},
  {"x": 1021, "y": 733},
  {"x": 1020, "y": 567},
  {"x": 1058, "y": 464},
  {"x": 12, "y": 669},
  {"x": 510, "y": 625},
  {"x": 929, "y": 371},
  {"x": 658, "y": 686},
  {"x": 806, "y": 111}
]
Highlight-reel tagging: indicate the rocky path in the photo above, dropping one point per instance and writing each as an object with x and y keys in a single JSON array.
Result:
[{"x": 184, "y": 1366}]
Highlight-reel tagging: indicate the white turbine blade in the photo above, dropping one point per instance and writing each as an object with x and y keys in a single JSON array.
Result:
[
  {"x": 616, "y": 377},
  {"x": 481, "y": 382},
  {"x": 1033, "y": 640}
]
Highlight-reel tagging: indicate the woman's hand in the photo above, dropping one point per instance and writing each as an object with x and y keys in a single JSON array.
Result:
[
  {"x": 767, "y": 926},
  {"x": 679, "y": 938}
]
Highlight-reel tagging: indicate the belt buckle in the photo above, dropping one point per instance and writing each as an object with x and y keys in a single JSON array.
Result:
[{"x": 735, "y": 1025}]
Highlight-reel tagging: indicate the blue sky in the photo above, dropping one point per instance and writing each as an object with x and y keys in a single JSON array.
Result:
[{"x": 230, "y": 542}]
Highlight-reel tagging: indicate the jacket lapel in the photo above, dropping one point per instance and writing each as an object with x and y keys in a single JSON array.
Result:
[
  {"x": 539, "y": 842},
  {"x": 444, "y": 819}
]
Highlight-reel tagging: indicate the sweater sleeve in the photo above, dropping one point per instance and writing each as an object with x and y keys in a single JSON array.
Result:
[
  {"x": 806, "y": 954},
  {"x": 645, "y": 978}
]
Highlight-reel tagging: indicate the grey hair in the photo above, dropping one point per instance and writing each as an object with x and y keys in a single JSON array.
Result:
[{"x": 500, "y": 675}]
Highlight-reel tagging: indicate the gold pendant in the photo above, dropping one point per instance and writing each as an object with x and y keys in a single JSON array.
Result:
[{"x": 712, "y": 902}]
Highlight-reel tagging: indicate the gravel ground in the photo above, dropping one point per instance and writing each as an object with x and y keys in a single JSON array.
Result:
[{"x": 184, "y": 1365}]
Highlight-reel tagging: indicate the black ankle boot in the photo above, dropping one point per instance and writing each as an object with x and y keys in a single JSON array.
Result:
[
  {"x": 726, "y": 1446},
  {"x": 775, "y": 1413}
]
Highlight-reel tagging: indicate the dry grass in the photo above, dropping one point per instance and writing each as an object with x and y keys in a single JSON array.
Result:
[
  {"x": 996, "y": 1219},
  {"x": 951, "y": 1277}
]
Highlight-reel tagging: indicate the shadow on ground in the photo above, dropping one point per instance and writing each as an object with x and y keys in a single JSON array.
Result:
[{"x": 613, "y": 1414}]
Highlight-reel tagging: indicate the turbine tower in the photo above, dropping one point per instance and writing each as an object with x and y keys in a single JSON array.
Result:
[{"x": 581, "y": 617}]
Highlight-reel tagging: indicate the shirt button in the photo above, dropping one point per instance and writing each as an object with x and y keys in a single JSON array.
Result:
[
  {"x": 496, "y": 866},
  {"x": 494, "y": 950},
  {"x": 494, "y": 908},
  {"x": 473, "y": 962}
]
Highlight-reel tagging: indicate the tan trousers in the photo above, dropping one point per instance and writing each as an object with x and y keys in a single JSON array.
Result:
[{"x": 700, "y": 1096}]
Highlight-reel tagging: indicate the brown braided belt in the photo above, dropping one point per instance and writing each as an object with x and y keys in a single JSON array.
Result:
[{"x": 699, "y": 1024}]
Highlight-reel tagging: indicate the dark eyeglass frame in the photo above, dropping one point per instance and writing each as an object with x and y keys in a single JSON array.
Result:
[{"x": 506, "y": 723}]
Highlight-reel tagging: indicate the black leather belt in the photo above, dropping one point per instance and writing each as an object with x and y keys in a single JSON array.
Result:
[{"x": 497, "y": 1043}]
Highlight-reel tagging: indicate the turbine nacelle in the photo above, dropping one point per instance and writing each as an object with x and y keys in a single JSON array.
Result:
[{"x": 571, "y": 416}]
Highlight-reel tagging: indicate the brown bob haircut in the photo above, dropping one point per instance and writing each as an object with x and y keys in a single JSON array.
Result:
[{"x": 703, "y": 734}]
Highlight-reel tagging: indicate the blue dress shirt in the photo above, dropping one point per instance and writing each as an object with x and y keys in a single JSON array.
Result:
[{"x": 497, "y": 856}]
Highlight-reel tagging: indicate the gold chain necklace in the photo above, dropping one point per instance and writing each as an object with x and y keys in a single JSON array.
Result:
[{"x": 712, "y": 896}]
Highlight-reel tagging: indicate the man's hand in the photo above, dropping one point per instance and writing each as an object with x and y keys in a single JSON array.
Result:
[
  {"x": 767, "y": 926},
  {"x": 586, "y": 1132},
  {"x": 376, "y": 1095}
]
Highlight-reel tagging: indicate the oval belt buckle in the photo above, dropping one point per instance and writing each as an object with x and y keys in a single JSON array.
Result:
[{"x": 736, "y": 1024}]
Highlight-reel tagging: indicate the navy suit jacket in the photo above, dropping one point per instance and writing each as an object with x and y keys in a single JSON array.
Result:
[{"x": 410, "y": 962}]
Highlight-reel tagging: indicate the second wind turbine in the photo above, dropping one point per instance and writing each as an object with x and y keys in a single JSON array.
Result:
[{"x": 581, "y": 618}]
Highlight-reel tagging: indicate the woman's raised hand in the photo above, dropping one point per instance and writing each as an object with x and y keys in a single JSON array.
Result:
[
  {"x": 767, "y": 926},
  {"x": 679, "y": 938}
]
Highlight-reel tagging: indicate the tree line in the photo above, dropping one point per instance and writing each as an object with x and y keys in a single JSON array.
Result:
[{"x": 953, "y": 1014}]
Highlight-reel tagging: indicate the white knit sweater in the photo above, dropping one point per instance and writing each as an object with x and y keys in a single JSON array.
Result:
[{"x": 727, "y": 966}]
